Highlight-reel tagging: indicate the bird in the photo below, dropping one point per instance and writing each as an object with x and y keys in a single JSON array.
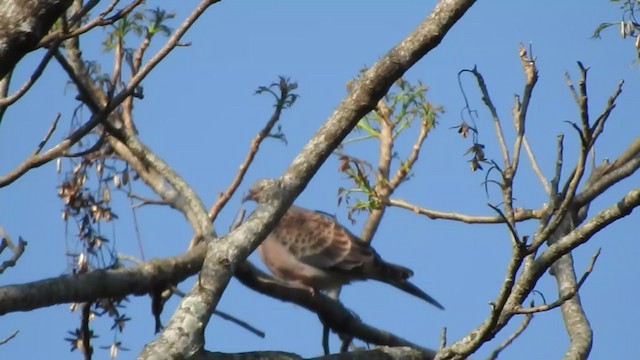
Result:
[{"x": 311, "y": 250}]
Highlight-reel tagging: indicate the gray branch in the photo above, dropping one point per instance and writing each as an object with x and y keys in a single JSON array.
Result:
[{"x": 114, "y": 283}]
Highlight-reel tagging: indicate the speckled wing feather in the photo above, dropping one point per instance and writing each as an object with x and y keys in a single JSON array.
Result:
[{"x": 318, "y": 240}]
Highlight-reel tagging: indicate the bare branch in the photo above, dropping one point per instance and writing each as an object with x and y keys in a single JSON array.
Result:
[
  {"x": 17, "y": 250},
  {"x": 512, "y": 337},
  {"x": 402, "y": 172},
  {"x": 112, "y": 283},
  {"x": 147, "y": 201},
  {"x": 20, "y": 37},
  {"x": 4, "y": 91},
  {"x": 535, "y": 166},
  {"x": 55, "y": 152},
  {"x": 47, "y": 136},
  {"x": 223, "y": 315},
  {"x": 546, "y": 229},
  {"x": 6, "y": 101},
  {"x": 171, "y": 43},
  {"x": 567, "y": 295},
  {"x": 605, "y": 217},
  {"x": 598, "y": 125},
  {"x": 621, "y": 168},
  {"x": 494, "y": 115},
  {"x": 520, "y": 214},
  {"x": 184, "y": 198},
  {"x": 379, "y": 353},
  {"x": 443, "y": 338},
  {"x": 243, "y": 324},
  {"x": 512, "y": 229},
  {"x": 85, "y": 331},
  {"x": 383, "y": 186},
  {"x": 555, "y": 182},
  {"x": 100, "y": 20},
  {"x": 520, "y": 109},
  {"x": 331, "y": 312},
  {"x": 281, "y": 102},
  {"x": 8, "y": 338}
]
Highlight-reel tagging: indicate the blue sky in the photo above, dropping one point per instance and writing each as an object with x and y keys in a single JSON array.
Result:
[{"x": 199, "y": 113}]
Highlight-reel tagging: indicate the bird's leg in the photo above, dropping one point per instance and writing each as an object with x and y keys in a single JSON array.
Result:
[
  {"x": 291, "y": 285},
  {"x": 300, "y": 285}
]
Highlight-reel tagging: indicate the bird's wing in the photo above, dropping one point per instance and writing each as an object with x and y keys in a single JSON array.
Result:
[{"x": 318, "y": 240}]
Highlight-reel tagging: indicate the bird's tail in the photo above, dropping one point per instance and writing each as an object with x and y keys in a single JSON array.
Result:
[
  {"x": 398, "y": 276},
  {"x": 409, "y": 288}
]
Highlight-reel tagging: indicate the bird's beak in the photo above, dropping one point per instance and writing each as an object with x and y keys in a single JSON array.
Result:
[{"x": 248, "y": 196}]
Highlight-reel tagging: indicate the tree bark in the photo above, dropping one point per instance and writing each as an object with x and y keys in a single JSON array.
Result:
[{"x": 22, "y": 24}]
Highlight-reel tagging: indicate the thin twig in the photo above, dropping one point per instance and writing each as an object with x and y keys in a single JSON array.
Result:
[
  {"x": 598, "y": 125},
  {"x": 87, "y": 334},
  {"x": 443, "y": 338},
  {"x": 47, "y": 136},
  {"x": 512, "y": 230},
  {"x": 535, "y": 166},
  {"x": 8, "y": 338},
  {"x": 224, "y": 315},
  {"x": 519, "y": 214},
  {"x": 281, "y": 104},
  {"x": 4, "y": 102},
  {"x": 555, "y": 182},
  {"x": 100, "y": 20},
  {"x": 4, "y": 91},
  {"x": 520, "y": 110},
  {"x": 512, "y": 337},
  {"x": 95, "y": 147},
  {"x": 494, "y": 115},
  {"x": 171, "y": 43},
  {"x": 403, "y": 171},
  {"x": 544, "y": 230},
  {"x": 147, "y": 201},
  {"x": 568, "y": 295},
  {"x": 383, "y": 187},
  {"x": 243, "y": 324},
  {"x": 17, "y": 250}
]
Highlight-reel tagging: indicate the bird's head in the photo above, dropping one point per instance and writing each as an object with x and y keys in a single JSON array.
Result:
[{"x": 262, "y": 191}]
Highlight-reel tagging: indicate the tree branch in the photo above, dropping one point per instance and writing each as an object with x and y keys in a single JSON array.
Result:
[
  {"x": 112, "y": 283},
  {"x": 520, "y": 214},
  {"x": 25, "y": 22},
  {"x": 331, "y": 312}
]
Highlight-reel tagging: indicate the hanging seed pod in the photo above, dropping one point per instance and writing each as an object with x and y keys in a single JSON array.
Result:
[
  {"x": 117, "y": 181},
  {"x": 106, "y": 194}
]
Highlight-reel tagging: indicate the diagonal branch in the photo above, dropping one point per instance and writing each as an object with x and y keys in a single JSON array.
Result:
[
  {"x": 331, "y": 312},
  {"x": 494, "y": 114},
  {"x": 253, "y": 148}
]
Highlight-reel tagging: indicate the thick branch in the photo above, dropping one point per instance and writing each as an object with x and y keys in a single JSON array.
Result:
[
  {"x": 331, "y": 312},
  {"x": 380, "y": 353},
  {"x": 24, "y": 23},
  {"x": 101, "y": 283}
]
